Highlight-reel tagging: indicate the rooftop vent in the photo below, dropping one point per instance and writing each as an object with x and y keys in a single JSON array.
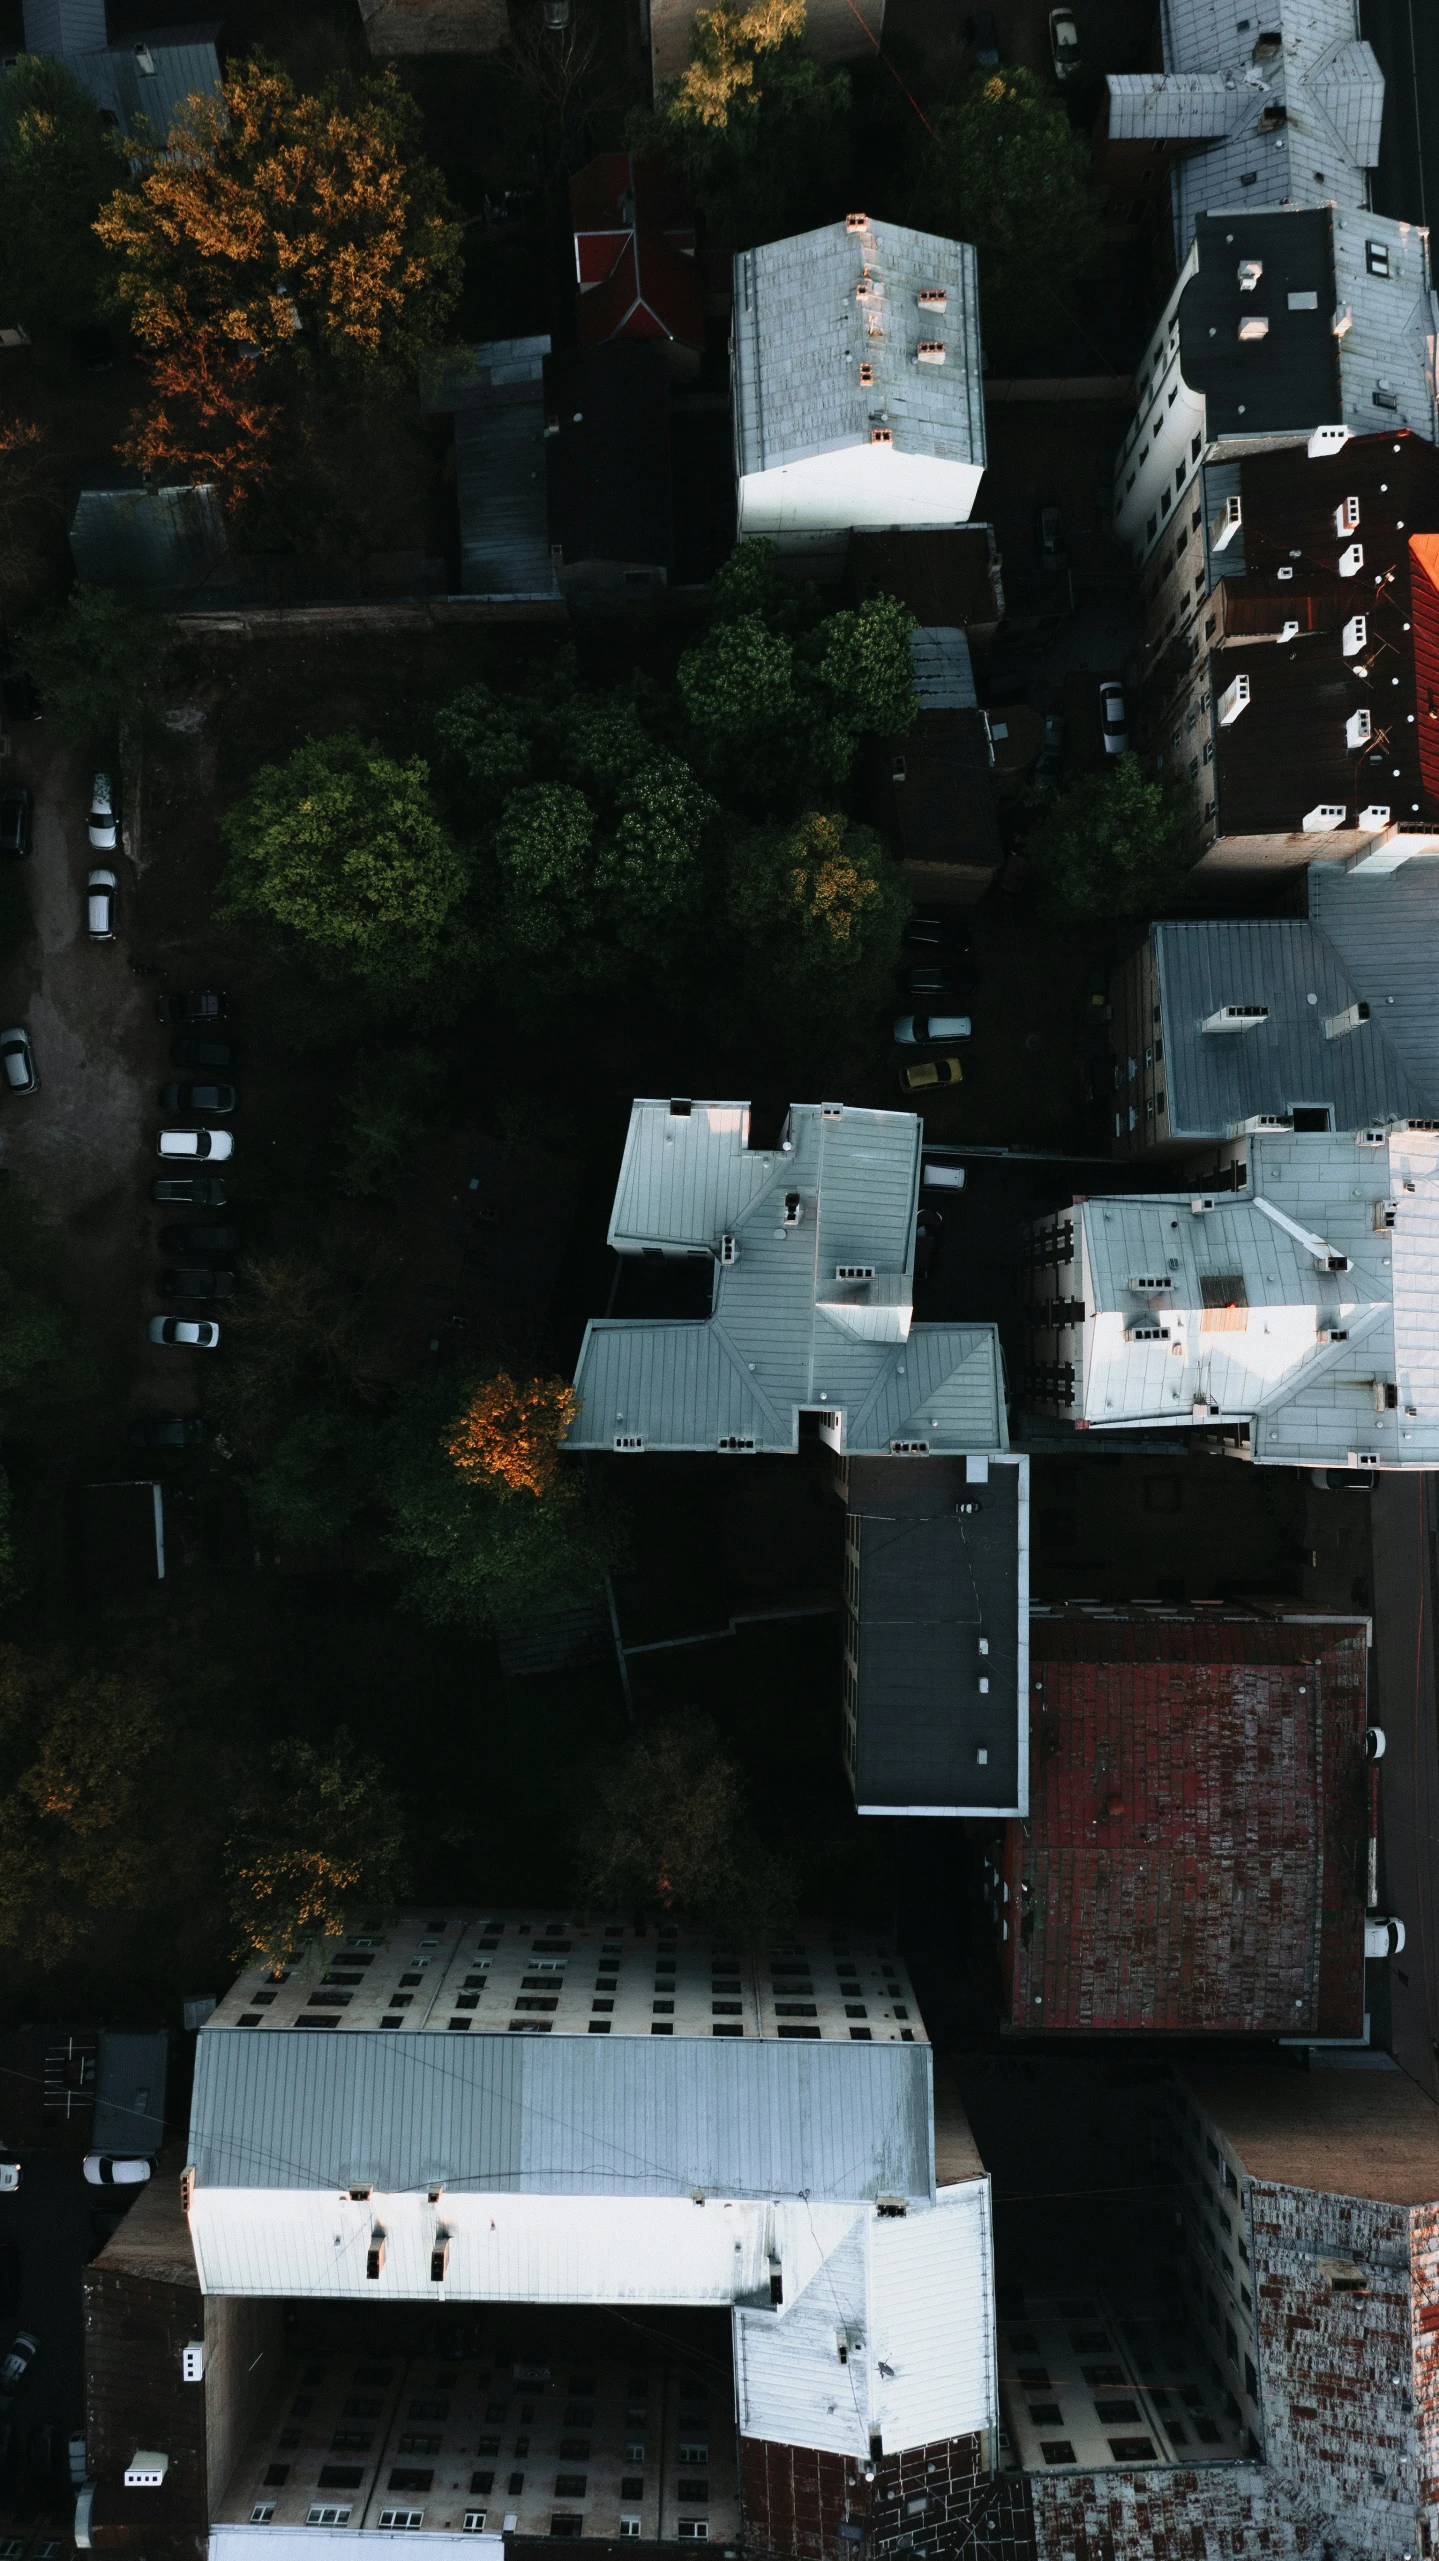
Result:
[
  {"x": 1358, "y": 729},
  {"x": 1346, "y": 516},
  {"x": 1352, "y": 560},
  {"x": 629, "y": 1440},
  {"x": 909, "y": 1449},
  {"x": 1354, "y": 638},
  {"x": 1144, "y": 1284},
  {"x": 192, "y": 2361},
  {"x": 1288, "y": 631},
  {"x": 1226, "y": 524},
  {"x": 1385, "y": 1214},
  {"x": 1326, "y": 440},
  {"x": 1267, "y": 48},
  {"x": 866, "y": 375},
  {"x": 880, "y": 436},
  {"x": 1233, "y": 700},
  {"x": 1375, "y": 815},
  {"x": 736, "y": 1443},
  {"x": 1323, "y": 817},
  {"x": 1348, "y": 1021},
  {"x": 793, "y": 1209},
  {"x": 729, "y": 1251},
  {"x": 933, "y": 298},
  {"x": 375, "y": 2255},
  {"x": 1253, "y": 329},
  {"x": 146, "y": 2469},
  {"x": 930, "y": 351},
  {"x": 856, "y": 222},
  {"x": 145, "y": 62},
  {"x": 439, "y": 2258},
  {"x": 854, "y": 1271},
  {"x": 1146, "y": 1333},
  {"x": 1235, "y": 1018},
  {"x": 680, "y": 1107},
  {"x": 866, "y": 290},
  {"x": 1250, "y": 271}
]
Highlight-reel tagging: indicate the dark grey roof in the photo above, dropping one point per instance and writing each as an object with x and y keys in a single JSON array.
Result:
[
  {"x": 931, "y": 1583},
  {"x": 1384, "y": 927},
  {"x": 608, "y": 456},
  {"x": 168, "y": 541},
  {"x": 130, "y": 2093},
  {"x": 562, "y": 2115},
  {"x": 1213, "y": 1079},
  {"x": 1289, "y": 379}
]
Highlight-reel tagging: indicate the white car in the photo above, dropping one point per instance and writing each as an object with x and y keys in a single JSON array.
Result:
[
  {"x": 100, "y": 891},
  {"x": 1115, "y": 719},
  {"x": 186, "y": 1334},
  {"x": 1063, "y": 43},
  {"x": 17, "y": 1060},
  {"x": 195, "y": 1145},
  {"x": 924, "y": 1031},
  {"x": 109, "y": 2170},
  {"x": 104, "y": 834},
  {"x": 9, "y": 2176}
]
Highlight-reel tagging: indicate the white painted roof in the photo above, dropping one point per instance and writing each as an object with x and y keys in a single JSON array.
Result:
[
  {"x": 787, "y": 1332},
  {"x": 1308, "y": 1401},
  {"x": 801, "y": 334}
]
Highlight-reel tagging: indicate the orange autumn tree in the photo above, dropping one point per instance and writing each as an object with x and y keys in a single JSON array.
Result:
[
  {"x": 509, "y": 1436},
  {"x": 271, "y": 238}
]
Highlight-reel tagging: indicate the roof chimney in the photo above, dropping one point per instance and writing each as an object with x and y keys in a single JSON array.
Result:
[
  {"x": 1253, "y": 329},
  {"x": 1250, "y": 271},
  {"x": 1349, "y": 1020},
  {"x": 1235, "y": 1018},
  {"x": 1326, "y": 440},
  {"x": 1233, "y": 700},
  {"x": 1226, "y": 524}
]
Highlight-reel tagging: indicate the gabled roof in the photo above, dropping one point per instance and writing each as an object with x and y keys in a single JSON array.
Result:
[
  {"x": 615, "y": 190},
  {"x": 650, "y": 291},
  {"x": 813, "y": 1252},
  {"x": 145, "y": 79}
]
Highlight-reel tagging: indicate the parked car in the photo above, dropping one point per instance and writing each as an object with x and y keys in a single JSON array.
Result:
[
  {"x": 17, "y": 816},
  {"x": 115, "y": 2170},
  {"x": 203, "y": 1053},
  {"x": 199, "y": 1240},
  {"x": 1063, "y": 43},
  {"x": 193, "y": 1005},
  {"x": 1114, "y": 716},
  {"x": 198, "y": 1098},
  {"x": 198, "y": 1144},
  {"x": 190, "y": 1191},
  {"x": 18, "y": 2359},
  {"x": 10, "y": 2172},
  {"x": 1050, "y": 527},
  {"x": 100, "y": 893},
  {"x": 930, "y": 1075},
  {"x": 983, "y": 34},
  {"x": 931, "y": 1031},
  {"x": 928, "y": 1231},
  {"x": 936, "y": 933},
  {"x": 940, "y": 1178},
  {"x": 104, "y": 833},
  {"x": 185, "y": 1333},
  {"x": 167, "y": 1431},
  {"x": 935, "y": 978},
  {"x": 1047, "y": 762},
  {"x": 194, "y": 1280},
  {"x": 17, "y": 1059}
]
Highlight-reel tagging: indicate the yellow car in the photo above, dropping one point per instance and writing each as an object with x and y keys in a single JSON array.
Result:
[{"x": 930, "y": 1075}]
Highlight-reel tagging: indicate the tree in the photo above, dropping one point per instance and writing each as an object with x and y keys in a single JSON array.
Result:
[
  {"x": 80, "y": 1751},
  {"x": 320, "y": 1837},
  {"x": 864, "y": 660},
  {"x": 343, "y": 849},
  {"x": 508, "y": 1437},
  {"x": 101, "y": 666},
  {"x": 297, "y": 1339},
  {"x": 485, "y": 738},
  {"x": 755, "y": 123},
  {"x": 385, "y": 1108},
  {"x": 544, "y": 846},
  {"x": 272, "y": 235},
  {"x": 58, "y": 163},
  {"x": 318, "y": 1476},
  {"x": 1110, "y": 845},
  {"x": 776, "y": 711},
  {"x": 1005, "y": 169},
  {"x": 24, "y": 467},
  {"x": 820, "y": 909},
  {"x": 669, "y": 1825},
  {"x": 650, "y": 872}
]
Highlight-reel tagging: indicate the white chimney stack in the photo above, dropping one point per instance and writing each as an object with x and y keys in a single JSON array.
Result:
[
  {"x": 1349, "y": 1020},
  {"x": 1233, "y": 700}
]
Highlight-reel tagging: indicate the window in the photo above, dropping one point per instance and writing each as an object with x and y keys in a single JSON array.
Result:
[
  {"x": 1151, "y": 527},
  {"x": 1194, "y": 444},
  {"x": 474, "y": 2520},
  {"x": 341, "y": 2476},
  {"x": 1179, "y": 472},
  {"x": 629, "y": 2526},
  {"x": 1131, "y": 2449},
  {"x": 1376, "y": 257},
  {"x": 634, "y": 2450},
  {"x": 574, "y": 2449},
  {"x": 693, "y": 2493},
  {"x": 1117, "y": 2414},
  {"x": 327, "y": 2516},
  {"x": 277, "y": 2475},
  {"x": 694, "y": 2529},
  {"x": 566, "y": 2529},
  {"x": 1056, "y": 2450},
  {"x": 481, "y": 2484},
  {"x": 494, "y": 2410},
  {"x": 694, "y": 2450},
  {"x": 571, "y": 2485},
  {"x": 429, "y": 2410},
  {"x": 632, "y": 2486},
  {"x": 1251, "y": 2379},
  {"x": 405, "y": 2519},
  {"x": 259, "y": 2515},
  {"x": 516, "y": 2484},
  {"x": 1044, "y": 2414},
  {"x": 415, "y": 2443},
  {"x": 1385, "y": 396}
]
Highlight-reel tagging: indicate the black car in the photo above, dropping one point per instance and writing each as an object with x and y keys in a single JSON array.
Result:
[
  {"x": 936, "y": 933},
  {"x": 1050, "y": 531},
  {"x": 199, "y": 1240},
  {"x": 190, "y": 1191},
  {"x": 941, "y": 982},
  {"x": 928, "y": 1229},
  {"x": 198, "y": 1098},
  {"x": 167, "y": 1431},
  {"x": 203, "y": 1053},
  {"x": 195, "y": 1280},
  {"x": 17, "y": 815},
  {"x": 193, "y": 1005}
]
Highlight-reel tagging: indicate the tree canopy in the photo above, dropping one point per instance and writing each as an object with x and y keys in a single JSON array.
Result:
[
  {"x": 100, "y": 663},
  {"x": 1005, "y": 169},
  {"x": 58, "y": 164},
  {"x": 669, "y": 1825},
  {"x": 780, "y": 713},
  {"x": 508, "y": 1437},
  {"x": 755, "y": 123},
  {"x": 320, "y": 1836},
  {"x": 343, "y": 848},
  {"x": 1110, "y": 844},
  {"x": 820, "y": 909},
  {"x": 79, "y": 1749}
]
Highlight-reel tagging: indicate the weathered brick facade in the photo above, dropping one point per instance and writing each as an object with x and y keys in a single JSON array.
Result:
[
  {"x": 1234, "y": 2509},
  {"x": 795, "y": 2499}
]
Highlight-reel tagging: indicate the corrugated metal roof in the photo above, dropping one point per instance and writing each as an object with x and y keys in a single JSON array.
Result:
[
  {"x": 931, "y": 2343},
  {"x": 943, "y": 670},
  {"x": 1384, "y": 928},
  {"x": 561, "y": 2116},
  {"x": 800, "y": 333},
  {"x": 1214, "y": 1079},
  {"x": 165, "y": 540},
  {"x": 149, "y": 100},
  {"x": 503, "y": 501},
  {"x": 1324, "y": 80},
  {"x": 813, "y": 1311}
]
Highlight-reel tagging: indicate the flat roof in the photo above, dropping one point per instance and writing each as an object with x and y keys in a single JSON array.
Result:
[
  {"x": 1369, "y": 2134},
  {"x": 1288, "y": 380}
]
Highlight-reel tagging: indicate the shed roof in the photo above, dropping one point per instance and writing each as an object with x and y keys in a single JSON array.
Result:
[
  {"x": 1194, "y": 1855},
  {"x": 562, "y": 2116},
  {"x": 800, "y": 333},
  {"x": 162, "y": 540}
]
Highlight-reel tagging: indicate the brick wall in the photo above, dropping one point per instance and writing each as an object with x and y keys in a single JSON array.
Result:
[
  {"x": 1234, "y": 2509},
  {"x": 1424, "y": 2308},
  {"x": 794, "y": 2499}
]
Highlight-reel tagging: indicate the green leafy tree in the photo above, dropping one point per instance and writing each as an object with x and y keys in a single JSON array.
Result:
[
  {"x": 651, "y": 875},
  {"x": 776, "y": 712},
  {"x": 1005, "y": 169},
  {"x": 385, "y": 1112},
  {"x": 82, "y": 1760},
  {"x": 298, "y": 1336},
  {"x": 342, "y": 847},
  {"x": 472, "y": 1552},
  {"x": 545, "y": 850},
  {"x": 1111, "y": 844},
  {"x": 320, "y": 1837},
  {"x": 316, "y": 1479},
  {"x": 819, "y": 911},
  {"x": 669, "y": 1825},
  {"x": 58, "y": 164},
  {"x": 863, "y": 659},
  {"x": 756, "y": 124},
  {"x": 486, "y": 743},
  {"x": 101, "y": 665}
]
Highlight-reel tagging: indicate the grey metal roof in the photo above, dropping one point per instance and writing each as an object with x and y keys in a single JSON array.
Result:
[
  {"x": 800, "y": 335},
  {"x": 114, "y": 79},
  {"x": 1384, "y": 929},
  {"x": 1215, "y": 1079},
  {"x": 787, "y": 1332},
  {"x": 165, "y": 540},
  {"x": 65, "y": 26},
  {"x": 1325, "y": 80},
  {"x": 562, "y": 2116},
  {"x": 930, "y": 1582},
  {"x": 130, "y": 2093},
  {"x": 943, "y": 668}
]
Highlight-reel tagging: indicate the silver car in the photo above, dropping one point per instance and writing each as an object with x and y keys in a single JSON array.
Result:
[
  {"x": 100, "y": 893},
  {"x": 1114, "y": 717},
  {"x": 104, "y": 833},
  {"x": 17, "y": 1061}
]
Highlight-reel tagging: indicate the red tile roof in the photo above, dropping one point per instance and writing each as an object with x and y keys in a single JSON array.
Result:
[
  {"x": 635, "y": 258},
  {"x": 649, "y": 292},
  {"x": 1194, "y": 1857}
]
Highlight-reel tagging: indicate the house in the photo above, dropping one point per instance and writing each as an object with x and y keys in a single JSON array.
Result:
[
  {"x": 1293, "y": 643},
  {"x": 936, "y": 1634},
  {"x": 1286, "y": 326},
  {"x": 1285, "y": 1309},
  {"x": 809, "y": 1244},
  {"x": 1289, "y": 104},
  {"x": 494, "y": 2224},
  {"x": 1196, "y": 1852},
  {"x": 1323, "y": 1023},
  {"x": 857, "y": 384},
  {"x": 137, "y": 85},
  {"x": 495, "y": 393},
  {"x": 635, "y": 264},
  {"x": 835, "y": 30}
]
